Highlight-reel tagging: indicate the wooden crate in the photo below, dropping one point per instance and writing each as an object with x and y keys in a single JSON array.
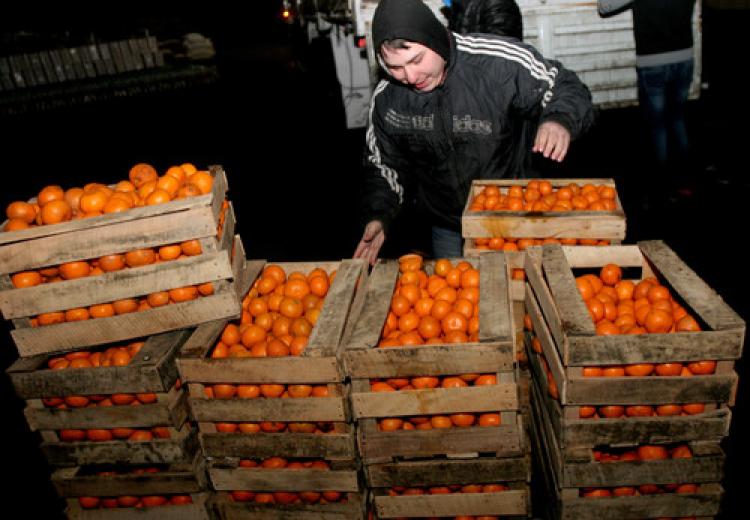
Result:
[
  {"x": 144, "y": 227},
  {"x": 567, "y": 504},
  {"x": 485, "y": 470},
  {"x": 180, "y": 447},
  {"x": 319, "y": 364},
  {"x": 608, "y": 225},
  {"x": 153, "y": 369},
  {"x": 569, "y": 339},
  {"x": 199, "y": 510},
  {"x": 226, "y": 509},
  {"x": 343, "y": 476},
  {"x": 494, "y": 352}
]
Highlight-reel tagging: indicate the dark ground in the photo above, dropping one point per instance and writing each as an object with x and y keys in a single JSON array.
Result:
[{"x": 275, "y": 122}]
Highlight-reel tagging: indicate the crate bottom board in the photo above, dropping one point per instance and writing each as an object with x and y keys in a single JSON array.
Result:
[
  {"x": 198, "y": 510},
  {"x": 332, "y": 446},
  {"x": 227, "y": 509}
]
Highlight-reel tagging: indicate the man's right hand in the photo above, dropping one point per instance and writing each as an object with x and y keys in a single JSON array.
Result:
[{"x": 372, "y": 240}]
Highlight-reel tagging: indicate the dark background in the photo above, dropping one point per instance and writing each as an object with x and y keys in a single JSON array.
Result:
[{"x": 273, "y": 118}]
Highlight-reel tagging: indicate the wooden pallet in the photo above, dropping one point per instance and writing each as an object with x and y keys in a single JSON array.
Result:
[
  {"x": 542, "y": 224},
  {"x": 226, "y": 509},
  {"x": 319, "y": 364},
  {"x": 153, "y": 369},
  {"x": 484, "y": 470},
  {"x": 116, "y": 233},
  {"x": 569, "y": 339},
  {"x": 180, "y": 447},
  {"x": 176, "y": 479},
  {"x": 200, "y": 509},
  {"x": 567, "y": 504}
]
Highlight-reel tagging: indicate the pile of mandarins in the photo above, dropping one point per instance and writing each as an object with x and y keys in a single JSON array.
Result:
[
  {"x": 288, "y": 497},
  {"x": 398, "y": 491},
  {"x": 144, "y": 187},
  {"x": 539, "y": 195},
  {"x": 425, "y": 422}
]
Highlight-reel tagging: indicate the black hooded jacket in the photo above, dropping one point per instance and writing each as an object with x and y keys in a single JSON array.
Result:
[
  {"x": 432, "y": 145},
  {"x": 501, "y": 17}
]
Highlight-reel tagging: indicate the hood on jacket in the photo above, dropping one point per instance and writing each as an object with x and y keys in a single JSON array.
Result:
[{"x": 410, "y": 20}]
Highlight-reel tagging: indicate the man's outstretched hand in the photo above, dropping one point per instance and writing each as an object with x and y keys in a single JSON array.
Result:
[
  {"x": 552, "y": 141},
  {"x": 372, "y": 240}
]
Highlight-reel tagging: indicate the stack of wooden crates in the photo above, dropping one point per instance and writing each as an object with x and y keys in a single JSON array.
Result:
[
  {"x": 117, "y": 436},
  {"x": 418, "y": 473},
  {"x": 571, "y": 450},
  {"x": 234, "y": 455}
]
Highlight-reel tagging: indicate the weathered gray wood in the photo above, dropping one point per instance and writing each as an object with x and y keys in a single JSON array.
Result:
[
  {"x": 151, "y": 370},
  {"x": 325, "y": 338},
  {"x": 494, "y": 299},
  {"x": 697, "y": 294},
  {"x": 201, "y": 340},
  {"x": 180, "y": 448},
  {"x": 551, "y": 353},
  {"x": 118, "y": 285},
  {"x": 651, "y": 389},
  {"x": 331, "y": 446},
  {"x": 445, "y": 472},
  {"x": 435, "y": 360},
  {"x": 287, "y": 370},
  {"x": 310, "y": 409},
  {"x": 227, "y": 509},
  {"x": 74, "y": 335},
  {"x": 598, "y": 256},
  {"x": 511, "y": 502},
  {"x": 369, "y": 323},
  {"x": 574, "y": 315},
  {"x": 543, "y": 296},
  {"x": 256, "y": 479},
  {"x": 490, "y": 398},
  {"x": 705, "y": 503},
  {"x": 198, "y": 510},
  {"x": 173, "y": 411},
  {"x": 69, "y": 482},
  {"x": 376, "y": 446},
  {"x": 654, "y": 348}
]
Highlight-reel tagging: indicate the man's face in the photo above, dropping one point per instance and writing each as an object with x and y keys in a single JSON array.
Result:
[{"x": 416, "y": 65}]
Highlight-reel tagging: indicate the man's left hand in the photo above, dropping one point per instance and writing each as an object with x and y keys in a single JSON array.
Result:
[{"x": 552, "y": 141}]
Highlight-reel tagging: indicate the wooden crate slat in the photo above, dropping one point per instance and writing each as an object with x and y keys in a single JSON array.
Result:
[
  {"x": 511, "y": 502},
  {"x": 369, "y": 324},
  {"x": 331, "y": 446},
  {"x": 491, "y": 398},
  {"x": 494, "y": 308},
  {"x": 181, "y": 205},
  {"x": 118, "y": 285},
  {"x": 198, "y": 510},
  {"x": 288, "y": 370},
  {"x": 446, "y": 472},
  {"x": 436, "y": 360},
  {"x": 308, "y": 409},
  {"x": 201, "y": 340},
  {"x": 598, "y": 256},
  {"x": 152, "y": 370},
  {"x": 542, "y": 293},
  {"x": 574, "y": 315},
  {"x": 283, "y": 479},
  {"x": 227, "y": 509},
  {"x": 704, "y": 300},
  {"x": 173, "y": 413},
  {"x": 72, "y": 335},
  {"x": 548, "y": 345}
]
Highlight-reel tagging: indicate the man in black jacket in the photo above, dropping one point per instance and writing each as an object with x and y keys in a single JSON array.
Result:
[{"x": 446, "y": 116}]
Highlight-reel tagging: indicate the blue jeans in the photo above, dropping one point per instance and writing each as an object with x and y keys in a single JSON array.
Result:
[
  {"x": 446, "y": 243},
  {"x": 663, "y": 92}
]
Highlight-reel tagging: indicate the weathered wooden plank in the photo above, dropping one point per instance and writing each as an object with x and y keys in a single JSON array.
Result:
[
  {"x": 598, "y": 256},
  {"x": 201, "y": 340},
  {"x": 229, "y": 510},
  {"x": 435, "y": 359},
  {"x": 494, "y": 299},
  {"x": 288, "y": 370},
  {"x": 369, "y": 323},
  {"x": 118, "y": 285},
  {"x": 543, "y": 296},
  {"x": 551, "y": 353},
  {"x": 309, "y": 409},
  {"x": 698, "y": 295},
  {"x": 331, "y": 446},
  {"x": 151, "y": 370},
  {"x": 446, "y": 472},
  {"x": 198, "y": 510},
  {"x": 574, "y": 316},
  {"x": 75, "y": 335},
  {"x": 511, "y": 502},
  {"x": 491, "y": 398},
  {"x": 283, "y": 479}
]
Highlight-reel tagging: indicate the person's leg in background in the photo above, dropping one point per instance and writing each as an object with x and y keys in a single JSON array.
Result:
[
  {"x": 678, "y": 89},
  {"x": 652, "y": 100},
  {"x": 446, "y": 243}
]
